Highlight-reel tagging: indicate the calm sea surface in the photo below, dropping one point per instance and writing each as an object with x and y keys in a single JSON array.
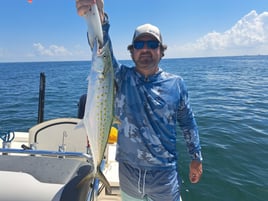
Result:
[{"x": 229, "y": 96}]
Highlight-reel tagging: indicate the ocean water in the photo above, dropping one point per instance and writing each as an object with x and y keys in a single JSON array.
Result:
[{"x": 229, "y": 96}]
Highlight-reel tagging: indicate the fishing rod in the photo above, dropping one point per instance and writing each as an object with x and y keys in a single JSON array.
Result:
[{"x": 41, "y": 104}]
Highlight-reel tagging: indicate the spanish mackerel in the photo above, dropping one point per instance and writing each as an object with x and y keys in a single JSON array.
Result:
[{"x": 98, "y": 116}]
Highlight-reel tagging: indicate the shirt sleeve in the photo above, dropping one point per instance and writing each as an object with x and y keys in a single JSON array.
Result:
[{"x": 188, "y": 125}]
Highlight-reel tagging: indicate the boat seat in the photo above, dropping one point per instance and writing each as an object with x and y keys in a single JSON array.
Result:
[
  {"x": 34, "y": 178},
  {"x": 61, "y": 134}
]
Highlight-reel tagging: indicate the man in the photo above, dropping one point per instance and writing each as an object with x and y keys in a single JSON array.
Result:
[{"x": 149, "y": 104}]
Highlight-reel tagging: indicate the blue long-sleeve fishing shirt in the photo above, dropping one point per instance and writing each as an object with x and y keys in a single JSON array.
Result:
[{"x": 150, "y": 111}]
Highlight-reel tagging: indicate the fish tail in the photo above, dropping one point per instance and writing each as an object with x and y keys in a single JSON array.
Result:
[
  {"x": 87, "y": 179},
  {"x": 105, "y": 182}
]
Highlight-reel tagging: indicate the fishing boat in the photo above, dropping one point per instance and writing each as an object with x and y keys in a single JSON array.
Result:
[{"x": 48, "y": 162}]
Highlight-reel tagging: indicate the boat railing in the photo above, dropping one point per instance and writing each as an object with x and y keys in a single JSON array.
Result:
[{"x": 60, "y": 154}]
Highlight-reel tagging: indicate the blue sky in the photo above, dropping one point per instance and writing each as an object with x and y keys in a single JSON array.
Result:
[{"x": 51, "y": 30}]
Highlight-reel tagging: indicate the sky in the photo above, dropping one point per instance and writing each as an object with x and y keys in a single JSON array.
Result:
[{"x": 51, "y": 30}]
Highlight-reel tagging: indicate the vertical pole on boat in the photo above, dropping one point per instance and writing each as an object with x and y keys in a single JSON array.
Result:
[{"x": 41, "y": 97}]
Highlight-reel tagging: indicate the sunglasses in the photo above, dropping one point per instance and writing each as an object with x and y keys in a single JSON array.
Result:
[{"x": 151, "y": 44}]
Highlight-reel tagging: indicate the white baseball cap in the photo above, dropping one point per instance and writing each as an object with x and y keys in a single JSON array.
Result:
[{"x": 148, "y": 29}]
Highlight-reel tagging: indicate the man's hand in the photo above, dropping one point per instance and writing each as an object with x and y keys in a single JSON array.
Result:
[
  {"x": 196, "y": 171},
  {"x": 83, "y": 6}
]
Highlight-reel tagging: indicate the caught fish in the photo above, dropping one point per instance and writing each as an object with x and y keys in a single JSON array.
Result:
[
  {"x": 98, "y": 115},
  {"x": 94, "y": 25}
]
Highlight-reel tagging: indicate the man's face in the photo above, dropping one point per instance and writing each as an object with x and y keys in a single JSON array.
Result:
[{"x": 146, "y": 52}]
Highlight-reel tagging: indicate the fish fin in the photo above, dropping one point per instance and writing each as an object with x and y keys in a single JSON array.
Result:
[
  {"x": 116, "y": 120},
  {"x": 80, "y": 124},
  {"x": 105, "y": 182}
]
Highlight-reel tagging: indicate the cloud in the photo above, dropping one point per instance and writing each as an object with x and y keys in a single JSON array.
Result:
[
  {"x": 51, "y": 51},
  {"x": 248, "y": 36}
]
